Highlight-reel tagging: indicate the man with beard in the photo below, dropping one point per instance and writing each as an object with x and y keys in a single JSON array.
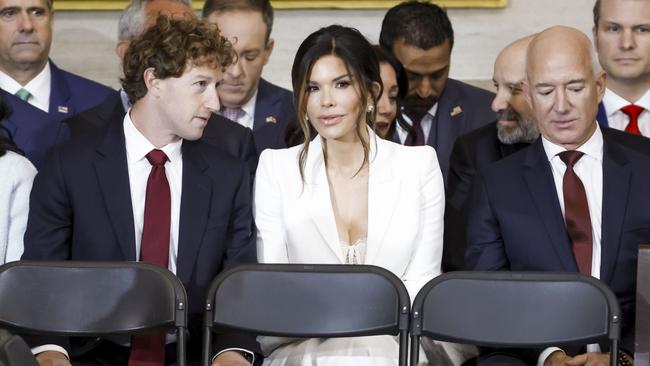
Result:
[
  {"x": 513, "y": 130},
  {"x": 623, "y": 44},
  {"x": 437, "y": 109}
]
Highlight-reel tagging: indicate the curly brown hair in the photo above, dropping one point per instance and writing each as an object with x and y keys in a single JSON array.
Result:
[{"x": 169, "y": 47}]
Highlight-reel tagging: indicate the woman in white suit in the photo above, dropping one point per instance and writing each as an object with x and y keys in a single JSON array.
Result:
[{"x": 346, "y": 196}]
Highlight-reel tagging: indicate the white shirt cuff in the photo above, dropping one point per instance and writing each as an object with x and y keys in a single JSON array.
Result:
[
  {"x": 50, "y": 347},
  {"x": 238, "y": 350},
  {"x": 545, "y": 353}
]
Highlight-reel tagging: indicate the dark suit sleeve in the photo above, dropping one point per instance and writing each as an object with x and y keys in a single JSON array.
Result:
[
  {"x": 49, "y": 226},
  {"x": 485, "y": 245},
  {"x": 250, "y": 155},
  {"x": 461, "y": 171},
  {"x": 241, "y": 250}
]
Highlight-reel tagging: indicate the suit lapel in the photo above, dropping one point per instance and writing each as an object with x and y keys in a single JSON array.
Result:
[
  {"x": 59, "y": 95},
  {"x": 113, "y": 178},
  {"x": 383, "y": 196},
  {"x": 195, "y": 208},
  {"x": 320, "y": 205},
  {"x": 264, "y": 107},
  {"x": 539, "y": 178},
  {"x": 616, "y": 182},
  {"x": 601, "y": 117}
]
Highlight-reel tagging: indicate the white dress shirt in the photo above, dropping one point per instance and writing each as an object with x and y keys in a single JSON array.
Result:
[
  {"x": 619, "y": 120},
  {"x": 426, "y": 123},
  {"x": 137, "y": 147},
  {"x": 247, "y": 117},
  {"x": 590, "y": 171},
  {"x": 39, "y": 87}
]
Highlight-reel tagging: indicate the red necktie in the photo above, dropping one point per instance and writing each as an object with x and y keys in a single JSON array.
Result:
[
  {"x": 149, "y": 349},
  {"x": 576, "y": 213},
  {"x": 632, "y": 111},
  {"x": 415, "y": 136}
]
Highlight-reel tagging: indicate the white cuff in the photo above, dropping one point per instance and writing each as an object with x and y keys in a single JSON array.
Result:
[
  {"x": 50, "y": 347},
  {"x": 545, "y": 353},
  {"x": 238, "y": 350}
]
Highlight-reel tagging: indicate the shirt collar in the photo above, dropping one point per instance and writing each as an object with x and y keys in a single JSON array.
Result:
[
  {"x": 592, "y": 148},
  {"x": 38, "y": 87},
  {"x": 249, "y": 107},
  {"x": 432, "y": 112},
  {"x": 137, "y": 145},
  {"x": 614, "y": 102}
]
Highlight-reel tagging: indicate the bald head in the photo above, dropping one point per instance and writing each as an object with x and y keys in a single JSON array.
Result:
[
  {"x": 560, "y": 44},
  {"x": 514, "y": 118},
  {"x": 562, "y": 87}
]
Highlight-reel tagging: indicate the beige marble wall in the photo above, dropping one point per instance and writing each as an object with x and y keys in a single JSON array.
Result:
[{"x": 84, "y": 41}]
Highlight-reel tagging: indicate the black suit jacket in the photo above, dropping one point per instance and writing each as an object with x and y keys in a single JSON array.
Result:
[
  {"x": 220, "y": 132},
  {"x": 515, "y": 220},
  {"x": 274, "y": 112},
  {"x": 80, "y": 209},
  {"x": 471, "y": 152}
]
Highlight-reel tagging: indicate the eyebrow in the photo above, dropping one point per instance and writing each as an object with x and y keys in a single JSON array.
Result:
[{"x": 338, "y": 78}]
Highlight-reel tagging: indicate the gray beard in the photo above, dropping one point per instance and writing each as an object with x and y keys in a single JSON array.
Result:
[{"x": 524, "y": 132}]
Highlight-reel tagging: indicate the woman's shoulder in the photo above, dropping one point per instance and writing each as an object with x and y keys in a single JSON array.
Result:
[
  {"x": 280, "y": 155},
  {"x": 16, "y": 165}
]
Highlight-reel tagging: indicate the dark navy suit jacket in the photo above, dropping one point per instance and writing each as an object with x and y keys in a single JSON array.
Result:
[
  {"x": 274, "y": 111},
  {"x": 34, "y": 131},
  {"x": 602, "y": 115},
  {"x": 80, "y": 209},
  {"x": 515, "y": 220},
  {"x": 472, "y": 152},
  {"x": 461, "y": 109}
]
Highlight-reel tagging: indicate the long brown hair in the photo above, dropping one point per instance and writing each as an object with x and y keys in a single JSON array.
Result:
[{"x": 357, "y": 54}]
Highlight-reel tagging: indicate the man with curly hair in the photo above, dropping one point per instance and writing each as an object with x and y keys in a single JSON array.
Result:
[{"x": 145, "y": 188}]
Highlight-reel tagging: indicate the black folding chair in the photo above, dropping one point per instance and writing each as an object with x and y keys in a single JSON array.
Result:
[
  {"x": 516, "y": 309},
  {"x": 92, "y": 299},
  {"x": 296, "y": 300},
  {"x": 14, "y": 351}
]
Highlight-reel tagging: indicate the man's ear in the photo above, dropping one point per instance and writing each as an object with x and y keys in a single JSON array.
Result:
[
  {"x": 120, "y": 48},
  {"x": 601, "y": 82},
  {"x": 152, "y": 82},
  {"x": 525, "y": 88},
  {"x": 268, "y": 49}
]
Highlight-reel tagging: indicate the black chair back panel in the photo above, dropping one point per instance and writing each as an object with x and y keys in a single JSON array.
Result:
[
  {"x": 59, "y": 300},
  {"x": 364, "y": 303},
  {"x": 538, "y": 321},
  {"x": 14, "y": 351}
]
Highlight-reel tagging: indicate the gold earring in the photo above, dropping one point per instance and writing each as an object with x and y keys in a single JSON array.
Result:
[{"x": 371, "y": 108}]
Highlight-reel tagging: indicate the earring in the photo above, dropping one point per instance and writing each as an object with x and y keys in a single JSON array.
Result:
[
  {"x": 371, "y": 108},
  {"x": 306, "y": 118}
]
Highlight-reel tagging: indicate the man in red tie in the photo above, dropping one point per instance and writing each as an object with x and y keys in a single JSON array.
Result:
[
  {"x": 145, "y": 188},
  {"x": 573, "y": 201},
  {"x": 622, "y": 38}
]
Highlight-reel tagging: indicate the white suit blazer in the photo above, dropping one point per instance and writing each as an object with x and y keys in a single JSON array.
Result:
[{"x": 296, "y": 224}]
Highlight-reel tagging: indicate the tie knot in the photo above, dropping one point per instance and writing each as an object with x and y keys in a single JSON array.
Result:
[
  {"x": 633, "y": 111},
  {"x": 23, "y": 94},
  {"x": 156, "y": 157},
  {"x": 232, "y": 114},
  {"x": 570, "y": 157}
]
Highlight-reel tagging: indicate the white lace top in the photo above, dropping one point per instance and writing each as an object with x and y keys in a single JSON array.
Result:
[{"x": 354, "y": 253}]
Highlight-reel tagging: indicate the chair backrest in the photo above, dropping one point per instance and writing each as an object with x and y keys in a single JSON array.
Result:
[
  {"x": 71, "y": 298},
  {"x": 298, "y": 300},
  {"x": 516, "y": 309},
  {"x": 14, "y": 351}
]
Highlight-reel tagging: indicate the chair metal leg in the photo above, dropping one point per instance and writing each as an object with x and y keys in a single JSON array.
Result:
[
  {"x": 181, "y": 357},
  {"x": 613, "y": 353},
  {"x": 207, "y": 345},
  {"x": 415, "y": 350}
]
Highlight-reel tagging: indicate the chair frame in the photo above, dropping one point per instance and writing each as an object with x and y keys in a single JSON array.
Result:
[
  {"x": 170, "y": 281},
  {"x": 402, "y": 310},
  {"x": 419, "y": 313}
]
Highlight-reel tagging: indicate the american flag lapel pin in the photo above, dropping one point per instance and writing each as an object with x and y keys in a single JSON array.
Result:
[
  {"x": 62, "y": 109},
  {"x": 456, "y": 111},
  {"x": 271, "y": 119}
]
